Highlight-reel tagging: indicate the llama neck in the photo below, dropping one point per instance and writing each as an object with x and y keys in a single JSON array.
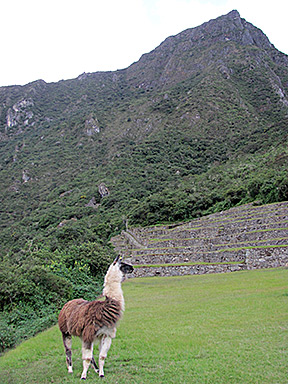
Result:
[{"x": 114, "y": 291}]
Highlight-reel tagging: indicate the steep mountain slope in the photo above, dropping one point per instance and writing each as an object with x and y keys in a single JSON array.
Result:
[{"x": 204, "y": 98}]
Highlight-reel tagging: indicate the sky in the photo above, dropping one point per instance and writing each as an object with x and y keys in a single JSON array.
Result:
[{"x": 57, "y": 40}]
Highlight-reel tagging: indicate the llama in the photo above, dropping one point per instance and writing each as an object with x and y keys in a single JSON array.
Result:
[{"x": 92, "y": 320}]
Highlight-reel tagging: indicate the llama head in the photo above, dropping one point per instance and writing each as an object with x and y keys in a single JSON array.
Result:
[
  {"x": 124, "y": 268},
  {"x": 117, "y": 271},
  {"x": 113, "y": 279}
]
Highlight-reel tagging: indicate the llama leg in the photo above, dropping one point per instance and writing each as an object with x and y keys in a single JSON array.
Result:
[
  {"x": 87, "y": 356},
  {"x": 67, "y": 341},
  {"x": 104, "y": 348},
  {"x": 94, "y": 365}
]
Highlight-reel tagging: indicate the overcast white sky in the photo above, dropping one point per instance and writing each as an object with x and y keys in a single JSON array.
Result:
[{"x": 60, "y": 39}]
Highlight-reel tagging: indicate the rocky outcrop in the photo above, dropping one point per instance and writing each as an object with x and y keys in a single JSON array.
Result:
[
  {"x": 25, "y": 176},
  {"x": 65, "y": 222},
  {"x": 92, "y": 126},
  {"x": 20, "y": 115},
  {"x": 92, "y": 203},
  {"x": 103, "y": 190}
]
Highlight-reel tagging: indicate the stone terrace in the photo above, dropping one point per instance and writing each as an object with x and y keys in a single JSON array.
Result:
[{"x": 244, "y": 237}]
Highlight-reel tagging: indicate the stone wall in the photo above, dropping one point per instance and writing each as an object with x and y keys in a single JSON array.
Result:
[
  {"x": 249, "y": 237},
  {"x": 186, "y": 270},
  {"x": 267, "y": 258},
  {"x": 254, "y": 259}
]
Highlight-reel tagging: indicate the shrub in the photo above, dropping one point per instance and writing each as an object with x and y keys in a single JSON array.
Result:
[
  {"x": 282, "y": 188},
  {"x": 95, "y": 256},
  {"x": 7, "y": 333},
  {"x": 31, "y": 283}
]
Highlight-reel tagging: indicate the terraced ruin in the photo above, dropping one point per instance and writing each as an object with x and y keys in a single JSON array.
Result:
[{"x": 245, "y": 237}]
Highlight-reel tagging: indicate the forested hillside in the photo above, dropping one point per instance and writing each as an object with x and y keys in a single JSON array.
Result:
[{"x": 196, "y": 126}]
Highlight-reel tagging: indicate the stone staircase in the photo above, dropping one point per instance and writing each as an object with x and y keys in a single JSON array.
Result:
[{"x": 245, "y": 237}]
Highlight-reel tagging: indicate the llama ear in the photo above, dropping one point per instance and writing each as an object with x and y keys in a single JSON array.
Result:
[{"x": 118, "y": 258}]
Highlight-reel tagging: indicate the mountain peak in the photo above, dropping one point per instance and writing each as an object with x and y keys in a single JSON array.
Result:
[
  {"x": 233, "y": 13},
  {"x": 174, "y": 59},
  {"x": 231, "y": 27}
]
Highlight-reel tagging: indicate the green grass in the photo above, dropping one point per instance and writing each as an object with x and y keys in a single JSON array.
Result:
[{"x": 221, "y": 328}]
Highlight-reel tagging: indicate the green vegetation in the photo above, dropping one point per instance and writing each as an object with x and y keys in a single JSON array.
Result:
[{"x": 227, "y": 328}]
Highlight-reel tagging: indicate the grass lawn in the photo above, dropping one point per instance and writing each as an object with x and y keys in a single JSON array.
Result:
[{"x": 216, "y": 328}]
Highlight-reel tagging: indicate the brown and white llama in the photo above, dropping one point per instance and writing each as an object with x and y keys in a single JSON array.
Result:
[{"x": 92, "y": 320}]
